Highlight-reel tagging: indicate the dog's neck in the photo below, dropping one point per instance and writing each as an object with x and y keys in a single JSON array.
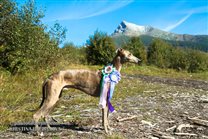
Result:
[{"x": 117, "y": 62}]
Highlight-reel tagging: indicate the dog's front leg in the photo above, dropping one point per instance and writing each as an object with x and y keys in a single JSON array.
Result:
[
  {"x": 108, "y": 123},
  {"x": 105, "y": 119}
]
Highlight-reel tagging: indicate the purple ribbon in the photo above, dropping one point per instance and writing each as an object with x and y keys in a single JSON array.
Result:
[
  {"x": 110, "y": 107},
  {"x": 108, "y": 84}
]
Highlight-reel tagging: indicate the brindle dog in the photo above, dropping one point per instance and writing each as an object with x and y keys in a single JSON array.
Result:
[{"x": 84, "y": 80}]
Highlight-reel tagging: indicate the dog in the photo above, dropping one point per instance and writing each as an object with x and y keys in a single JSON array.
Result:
[{"x": 85, "y": 80}]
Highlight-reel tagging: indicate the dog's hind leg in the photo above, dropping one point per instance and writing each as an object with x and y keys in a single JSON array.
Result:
[
  {"x": 47, "y": 120},
  {"x": 47, "y": 116},
  {"x": 49, "y": 102},
  {"x": 49, "y": 107},
  {"x": 39, "y": 114},
  {"x": 44, "y": 112},
  {"x": 36, "y": 118}
]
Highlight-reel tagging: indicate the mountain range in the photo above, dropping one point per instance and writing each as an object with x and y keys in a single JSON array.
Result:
[{"x": 126, "y": 30}]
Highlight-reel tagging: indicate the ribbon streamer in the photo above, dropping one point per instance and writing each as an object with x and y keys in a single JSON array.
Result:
[{"x": 110, "y": 77}]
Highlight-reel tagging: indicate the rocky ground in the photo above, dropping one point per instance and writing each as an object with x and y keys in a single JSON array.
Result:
[{"x": 175, "y": 109}]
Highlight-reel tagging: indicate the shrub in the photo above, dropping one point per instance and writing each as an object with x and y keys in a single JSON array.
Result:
[
  {"x": 164, "y": 55},
  {"x": 159, "y": 53},
  {"x": 198, "y": 61},
  {"x": 72, "y": 54},
  {"x": 100, "y": 49},
  {"x": 24, "y": 43},
  {"x": 179, "y": 59}
]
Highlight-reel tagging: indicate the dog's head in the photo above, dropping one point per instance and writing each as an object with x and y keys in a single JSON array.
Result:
[{"x": 127, "y": 56}]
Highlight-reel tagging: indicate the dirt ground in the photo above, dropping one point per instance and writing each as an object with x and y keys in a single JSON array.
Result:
[{"x": 177, "y": 109}]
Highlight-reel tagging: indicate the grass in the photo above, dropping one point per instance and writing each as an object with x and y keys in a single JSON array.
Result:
[
  {"x": 20, "y": 95},
  {"x": 155, "y": 71},
  {"x": 115, "y": 136}
]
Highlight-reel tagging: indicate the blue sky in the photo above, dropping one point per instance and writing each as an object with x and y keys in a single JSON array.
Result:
[{"x": 83, "y": 17}]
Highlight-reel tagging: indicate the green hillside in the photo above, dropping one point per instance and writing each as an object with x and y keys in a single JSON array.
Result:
[{"x": 201, "y": 43}]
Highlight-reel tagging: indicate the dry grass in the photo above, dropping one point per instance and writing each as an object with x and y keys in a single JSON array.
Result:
[
  {"x": 155, "y": 71},
  {"x": 20, "y": 95}
]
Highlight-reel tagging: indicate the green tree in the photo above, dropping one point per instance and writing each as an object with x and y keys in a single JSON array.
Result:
[
  {"x": 179, "y": 59},
  {"x": 8, "y": 30},
  {"x": 100, "y": 48},
  {"x": 24, "y": 43},
  {"x": 137, "y": 48},
  {"x": 58, "y": 33},
  {"x": 164, "y": 55},
  {"x": 198, "y": 61},
  {"x": 73, "y": 54},
  {"x": 159, "y": 53}
]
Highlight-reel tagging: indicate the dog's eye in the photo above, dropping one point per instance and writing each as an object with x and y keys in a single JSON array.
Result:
[{"x": 129, "y": 55}]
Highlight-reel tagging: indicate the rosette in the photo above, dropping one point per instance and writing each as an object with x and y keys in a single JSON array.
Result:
[{"x": 112, "y": 76}]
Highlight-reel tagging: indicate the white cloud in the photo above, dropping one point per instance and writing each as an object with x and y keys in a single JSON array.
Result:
[
  {"x": 174, "y": 25},
  {"x": 76, "y": 9},
  {"x": 189, "y": 12},
  {"x": 203, "y": 9},
  {"x": 115, "y": 5}
]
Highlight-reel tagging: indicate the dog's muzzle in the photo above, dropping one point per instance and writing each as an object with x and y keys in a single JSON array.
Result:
[
  {"x": 135, "y": 60},
  {"x": 138, "y": 60}
]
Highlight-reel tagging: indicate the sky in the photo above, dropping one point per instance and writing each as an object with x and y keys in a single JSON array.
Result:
[{"x": 82, "y": 18}]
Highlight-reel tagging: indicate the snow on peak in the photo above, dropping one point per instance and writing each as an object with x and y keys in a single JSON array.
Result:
[
  {"x": 131, "y": 29},
  {"x": 134, "y": 27}
]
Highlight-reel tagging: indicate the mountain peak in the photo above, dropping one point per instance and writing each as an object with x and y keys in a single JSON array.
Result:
[
  {"x": 131, "y": 25},
  {"x": 131, "y": 29},
  {"x": 127, "y": 29}
]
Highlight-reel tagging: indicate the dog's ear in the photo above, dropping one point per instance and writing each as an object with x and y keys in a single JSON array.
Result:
[{"x": 119, "y": 50}]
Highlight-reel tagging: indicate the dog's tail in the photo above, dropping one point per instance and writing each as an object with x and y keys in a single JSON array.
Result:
[{"x": 43, "y": 93}]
